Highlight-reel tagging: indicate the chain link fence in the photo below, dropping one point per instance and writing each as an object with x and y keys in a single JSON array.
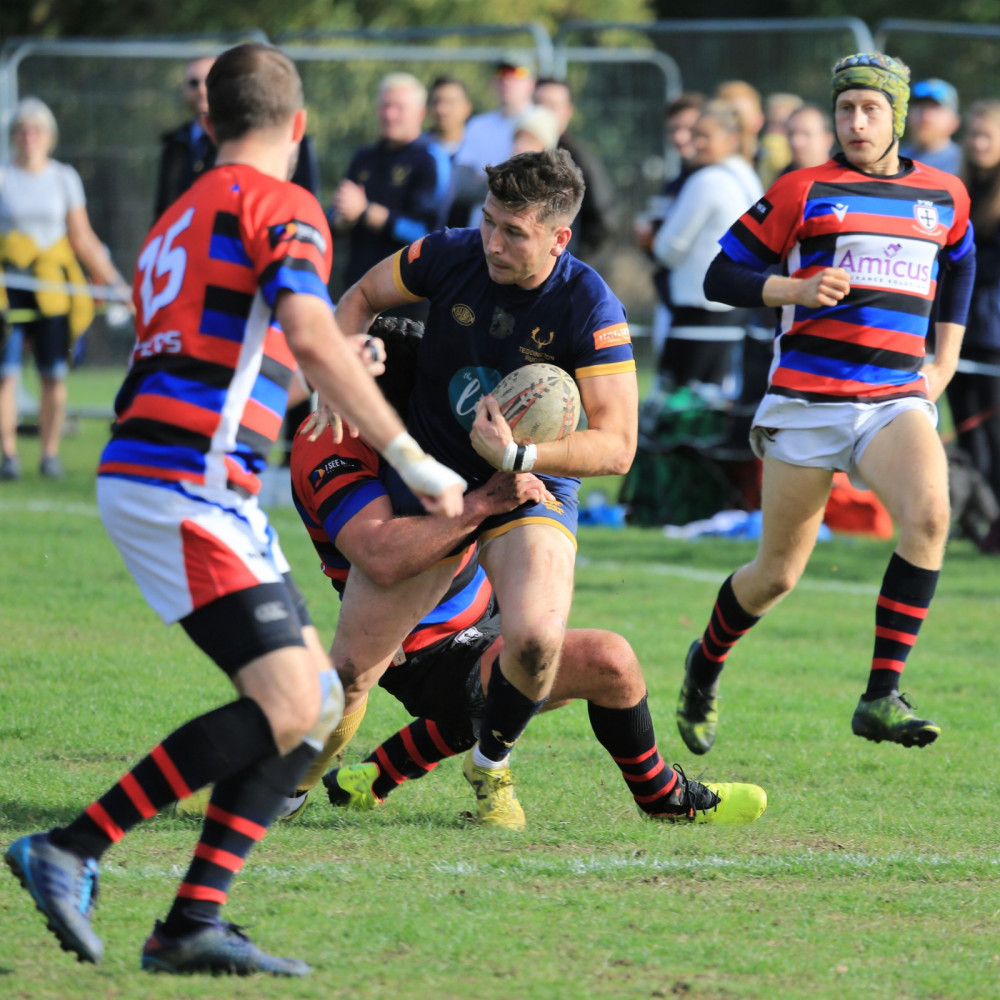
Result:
[{"x": 113, "y": 99}]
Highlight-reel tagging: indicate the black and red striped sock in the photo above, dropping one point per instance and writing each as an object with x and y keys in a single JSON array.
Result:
[
  {"x": 627, "y": 734},
  {"x": 239, "y": 813},
  {"x": 413, "y": 752},
  {"x": 729, "y": 622},
  {"x": 906, "y": 594},
  {"x": 204, "y": 750}
]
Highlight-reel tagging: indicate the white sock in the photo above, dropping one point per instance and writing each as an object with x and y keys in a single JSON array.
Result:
[{"x": 493, "y": 765}]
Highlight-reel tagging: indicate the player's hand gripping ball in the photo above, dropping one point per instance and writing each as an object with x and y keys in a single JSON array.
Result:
[{"x": 540, "y": 403}]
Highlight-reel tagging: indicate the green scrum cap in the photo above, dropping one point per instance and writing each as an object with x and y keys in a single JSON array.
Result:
[{"x": 876, "y": 71}]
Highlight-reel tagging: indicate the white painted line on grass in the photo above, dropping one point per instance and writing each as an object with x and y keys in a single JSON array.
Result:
[
  {"x": 831, "y": 862},
  {"x": 48, "y": 507},
  {"x": 717, "y": 576}
]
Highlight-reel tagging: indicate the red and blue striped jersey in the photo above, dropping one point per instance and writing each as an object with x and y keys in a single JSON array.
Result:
[
  {"x": 332, "y": 483},
  {"x": 892, "y": 235},
  {"x": 208, "y": 378}
]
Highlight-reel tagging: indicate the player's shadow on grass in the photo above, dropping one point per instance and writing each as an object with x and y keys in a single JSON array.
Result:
[{"x": 19, "y": 815}]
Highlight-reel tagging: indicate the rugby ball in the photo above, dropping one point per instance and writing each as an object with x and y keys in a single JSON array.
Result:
[{"x": 540, "y": 402}]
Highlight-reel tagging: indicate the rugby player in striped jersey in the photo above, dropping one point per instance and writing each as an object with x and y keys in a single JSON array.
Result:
[{"x": 871, "y": 247}]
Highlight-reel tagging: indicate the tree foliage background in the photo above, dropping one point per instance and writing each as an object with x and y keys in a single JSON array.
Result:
[{"x": 108, "y": 18}]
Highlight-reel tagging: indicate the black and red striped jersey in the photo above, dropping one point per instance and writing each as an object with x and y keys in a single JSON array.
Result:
[{"x": 892, "y": 235}]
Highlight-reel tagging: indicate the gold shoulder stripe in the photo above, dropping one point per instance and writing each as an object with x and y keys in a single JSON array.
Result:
[
  {"x": 397, "y": 278},
  {"x": 613, "y": 369}
]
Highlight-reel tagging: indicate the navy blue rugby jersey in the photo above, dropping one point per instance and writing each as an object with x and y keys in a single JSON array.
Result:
[{"x": 478, "y": 331}]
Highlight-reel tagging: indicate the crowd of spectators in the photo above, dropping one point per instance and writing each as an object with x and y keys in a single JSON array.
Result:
[{"x": 723, "y": 150}]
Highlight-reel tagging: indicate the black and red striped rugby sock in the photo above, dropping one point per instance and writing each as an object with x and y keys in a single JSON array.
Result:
[
  {"x": 906, "y": 594},
  {"x": 204, "y": 750},
  {"x": 628, "y": 736},
  {"x": 413, "y": 752},
  {"x": 729, "y": 622}
]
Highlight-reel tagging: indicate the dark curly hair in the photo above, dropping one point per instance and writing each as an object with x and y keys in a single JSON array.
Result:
[{"x": 550, "y": 182}]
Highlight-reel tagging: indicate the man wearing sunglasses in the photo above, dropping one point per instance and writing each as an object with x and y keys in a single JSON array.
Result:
[{"x": 187, "y": 150}]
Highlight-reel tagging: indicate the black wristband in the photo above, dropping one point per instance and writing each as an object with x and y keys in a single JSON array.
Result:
[{"x": 519, "y": 458}]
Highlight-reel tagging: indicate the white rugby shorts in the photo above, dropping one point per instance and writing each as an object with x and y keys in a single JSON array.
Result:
[
  {"x": 187, "y": 545},
  {"x": 826, "y": 435}
]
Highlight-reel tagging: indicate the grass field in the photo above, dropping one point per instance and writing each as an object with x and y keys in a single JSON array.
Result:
[{"x": 873, "y": 874}]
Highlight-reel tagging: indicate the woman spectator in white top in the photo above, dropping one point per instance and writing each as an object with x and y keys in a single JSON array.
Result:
[
  {"x": 44, "y": 230},
  {"x": 704, "y": 337}
]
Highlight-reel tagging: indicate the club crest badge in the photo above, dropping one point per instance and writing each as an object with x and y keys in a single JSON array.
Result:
[{"x": 927, "y": 215}]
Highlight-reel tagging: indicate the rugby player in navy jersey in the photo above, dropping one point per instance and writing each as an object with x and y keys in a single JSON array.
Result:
[
  {"x": 500, "y": 297},
  {"x": 231, "y": 297},
  {"x": 871, "y": 245},
  {"x": 442, "y": 671}
]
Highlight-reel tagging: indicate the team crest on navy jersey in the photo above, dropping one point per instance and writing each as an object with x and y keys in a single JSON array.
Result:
[
  {"x": 462, "y": 314},
  {"x": 501, "y": 324},
  {"x": 926, "y": 214},
  {"x": 542, "y": 339}
]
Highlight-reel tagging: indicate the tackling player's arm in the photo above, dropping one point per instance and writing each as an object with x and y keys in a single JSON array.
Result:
[
  {"x": 371, "y": 294},
  {"x": 389, "y": 549},
  {"x": 606, "y": 447},
  {"x": 331, "y": 364}
]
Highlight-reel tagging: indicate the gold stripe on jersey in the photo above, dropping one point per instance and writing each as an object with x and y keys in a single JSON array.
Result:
[
  {"x": 614, "y": 368},
  {"x": 397, "y": 278},
  {"x": 502, "y": 529}
]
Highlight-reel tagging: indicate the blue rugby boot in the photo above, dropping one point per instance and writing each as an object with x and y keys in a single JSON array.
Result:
[{"x": 64, "y": 888}]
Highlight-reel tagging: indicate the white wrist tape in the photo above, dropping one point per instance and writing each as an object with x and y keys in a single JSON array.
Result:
[
  {"x": 528, "y": 455},
  {"x": 417, "y": 469},
  {"x": 509, "y": 455}
]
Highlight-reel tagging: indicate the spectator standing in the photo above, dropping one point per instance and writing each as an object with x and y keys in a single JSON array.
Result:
[
  {"x": 745, "y": 99},
  {"x": 775, "y": 153},
  {"x": 394, "y": 188},
  {"x": 489, "y": 138},
  {"x": 810, "y": 137},
  {"x": 974, "y": 397},
  {"x": 932, "y": 123},
  {"x": 680, "y": 116},
  {"x": 598, "y": 220},
  {"x": 44, "y": 230},
  {"x": 536, "y": 128},
  {"x": 188, "y": 150},
  {"x": 704, "y": 336},
  {"x": 449, "y": 108}
]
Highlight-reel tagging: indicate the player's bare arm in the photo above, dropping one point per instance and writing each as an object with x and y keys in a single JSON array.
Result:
[
  {"x": 824, "y": 288},
  {"x": 373, "y": 293},
  {"x": 331, "y": 364},
  {"x": 606, "y": 447},
  {"x": 947, "y": 346},
  {"x": 390, "y": 549}
]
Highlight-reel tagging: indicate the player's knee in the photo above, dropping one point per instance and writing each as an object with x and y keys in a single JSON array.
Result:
[
  {"x": 776, "y": 581},
  {"x": 927, "y": 523},
  {"x": 537, "y": 652},
  {"x": 613, "y": 664}
]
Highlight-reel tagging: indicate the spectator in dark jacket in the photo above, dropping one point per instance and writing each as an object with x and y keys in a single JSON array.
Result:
[
  {"x": 188, "y": 151},
  {"x": 598, "y": 220}
]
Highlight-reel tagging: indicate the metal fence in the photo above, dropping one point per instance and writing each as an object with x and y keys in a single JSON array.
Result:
[{"x": 113, "y": 98}]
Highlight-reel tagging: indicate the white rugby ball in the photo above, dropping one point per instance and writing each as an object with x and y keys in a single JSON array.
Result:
[{"x": 540, "y": 402}]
